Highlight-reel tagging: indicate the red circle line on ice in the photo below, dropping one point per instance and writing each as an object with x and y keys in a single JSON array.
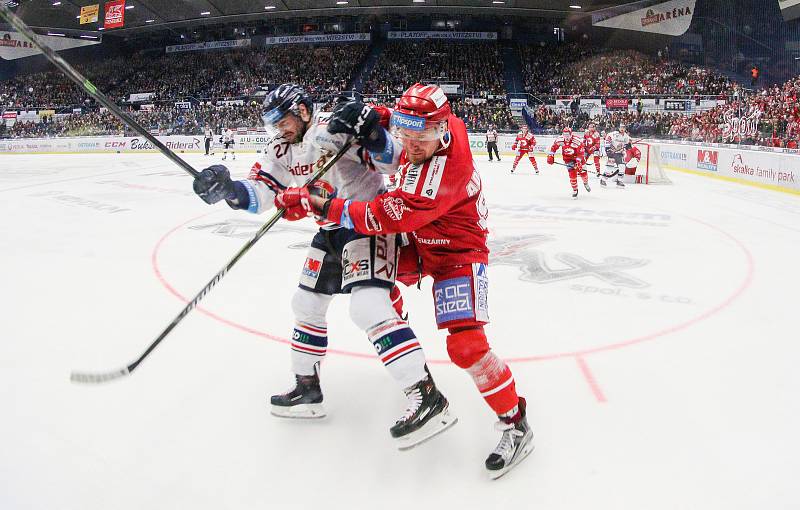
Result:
[{"x": 740, "y": 289}]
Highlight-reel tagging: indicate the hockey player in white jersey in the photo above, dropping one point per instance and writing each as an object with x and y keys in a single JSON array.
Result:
[
  {"x": 616, "y": 145},
  {"x": 228, "y": 142},
  {"x": 339, "y": 260}
]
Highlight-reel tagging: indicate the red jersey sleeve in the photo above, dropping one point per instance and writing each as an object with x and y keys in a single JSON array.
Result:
[{"x": 427, "y": 192}]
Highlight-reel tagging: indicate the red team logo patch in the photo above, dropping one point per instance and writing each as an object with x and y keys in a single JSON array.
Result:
[{"x": 395, "y": 208}]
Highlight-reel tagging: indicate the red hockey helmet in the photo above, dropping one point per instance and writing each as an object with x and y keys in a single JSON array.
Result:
[
  {"x": 421, "y": 113},
  {"x": 567, "y": 132}
]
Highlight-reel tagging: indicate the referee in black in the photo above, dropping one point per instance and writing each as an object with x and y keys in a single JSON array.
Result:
[
  {"x": 209, "y": 135},
  {"x": 491, "y": 142}
]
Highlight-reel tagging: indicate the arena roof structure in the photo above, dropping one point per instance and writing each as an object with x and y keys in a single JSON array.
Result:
[{"x": 149, "y": 15}]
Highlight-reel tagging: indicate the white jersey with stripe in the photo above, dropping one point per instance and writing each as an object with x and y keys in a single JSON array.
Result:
[
  {"x": 616, "y": 141},
  {"x": 356, "y": 176}
]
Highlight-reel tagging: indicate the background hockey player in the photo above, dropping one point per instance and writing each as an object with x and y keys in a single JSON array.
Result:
[
  {"x": 616, "y": 144},
  {"x": 338, "y": 261},
  {"x": 632, "y": 158},
  {"x": 524, "y": 144},
  {"x": 572, "y": 151},
  {"x": 491, "y": 142},
  {"x": 440, "y": 203},
  {"x": 209, "y": 138},
  {"x": 228, "y": 142},
  {"x": 591, "y": 144}
]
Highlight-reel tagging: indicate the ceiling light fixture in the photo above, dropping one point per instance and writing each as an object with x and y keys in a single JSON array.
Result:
[
  {"x": 342, "y": 2},
  {"x": 128, "y": 7},
  {"x": 56, "y": 34},
  {"x": 575, "y": 7},
  {"x": 205, "y": 13},
  {"x": 268, "y": 7},
  {"x": 55, "y": 4},
  {"x": 149, "y": 21}
]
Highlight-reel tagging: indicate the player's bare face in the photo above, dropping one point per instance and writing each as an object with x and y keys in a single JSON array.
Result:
[
  {"x": 293, "y": 127},
  {"x": 290, "y": 128},
  {"x": 419, "y": 151}
]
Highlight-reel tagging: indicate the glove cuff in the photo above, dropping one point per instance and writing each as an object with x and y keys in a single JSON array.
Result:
[
  {"x": 239, "y": 197},
  {"x": 332, "y": 210}
]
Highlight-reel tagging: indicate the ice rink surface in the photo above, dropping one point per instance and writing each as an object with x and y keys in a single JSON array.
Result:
[{"x": 653, "y": 331}]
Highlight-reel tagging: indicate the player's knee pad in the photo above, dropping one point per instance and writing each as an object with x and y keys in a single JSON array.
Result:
[
  {"x": 467, "y": 347},
  {"x": 310, "y": 307},
  {"x": 370, "y": 306}
]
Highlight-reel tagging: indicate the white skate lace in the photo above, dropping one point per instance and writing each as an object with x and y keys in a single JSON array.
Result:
[
  {"x": 414, "y": 401},
  {"x": 505, "y": 448}
]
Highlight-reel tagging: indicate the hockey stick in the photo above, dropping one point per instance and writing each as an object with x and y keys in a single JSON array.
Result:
[
  {"x": 86, "y": 377},
  {"x": 89, "y": 88}
]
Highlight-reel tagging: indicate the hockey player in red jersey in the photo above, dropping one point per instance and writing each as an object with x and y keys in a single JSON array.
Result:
[
  {"x": 572, "y": 151},
  {"x": 591, "y": 143},
  {"x": 524, "y": 145},
  {"x": 632, "y": 158},
  {"x": 440, "y": 203}
]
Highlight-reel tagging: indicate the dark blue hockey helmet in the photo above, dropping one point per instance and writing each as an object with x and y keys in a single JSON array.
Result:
[{"x": 285, "y": 99}]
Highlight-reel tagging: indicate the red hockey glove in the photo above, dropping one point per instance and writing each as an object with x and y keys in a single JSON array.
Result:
[
  {"x": 514, "y": 147},
  {"x": 551, "y": 159},
  {"x": 295, "y": 201}
]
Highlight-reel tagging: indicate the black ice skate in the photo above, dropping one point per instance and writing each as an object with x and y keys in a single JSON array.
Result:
[
  {"x": 514, "y": 446},
  {"x": 302, "y": 401},
  {"x": 602, "y": 182},
  {"x": 586, "y": 185},
  {"x": 575, "y": 193},
  {"x": 620, "y": 184},
  {"x": 427, "y": 415}
]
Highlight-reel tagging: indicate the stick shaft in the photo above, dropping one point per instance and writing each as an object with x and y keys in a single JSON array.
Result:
[{"x": 98, "y": 378}]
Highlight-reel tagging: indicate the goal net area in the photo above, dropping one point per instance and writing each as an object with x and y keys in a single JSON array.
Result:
[{"x": 649, "y": 169}]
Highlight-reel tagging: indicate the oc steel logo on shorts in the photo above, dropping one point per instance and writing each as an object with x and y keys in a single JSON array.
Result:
[{"x": 453, "y": 299}]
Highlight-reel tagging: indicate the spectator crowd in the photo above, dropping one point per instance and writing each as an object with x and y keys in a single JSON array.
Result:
[
  {"x": 476, "y": 66},
  {"x": 325, "y": 71},
  {"x": 570, "y": 69}
]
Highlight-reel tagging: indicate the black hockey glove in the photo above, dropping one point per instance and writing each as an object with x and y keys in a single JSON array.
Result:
[
  {"x": 355, "y": 118},
  {"x": 214, "y": 184}
]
